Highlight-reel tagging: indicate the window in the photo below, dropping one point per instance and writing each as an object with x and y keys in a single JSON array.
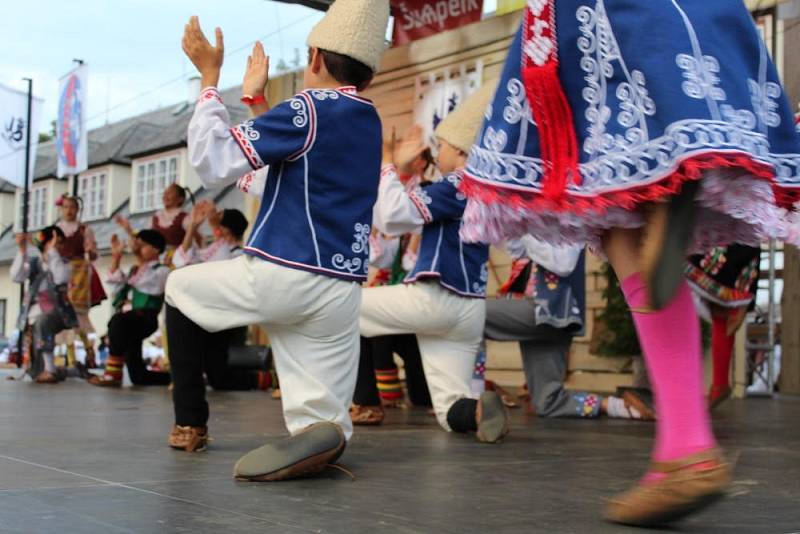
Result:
[
  {"x": 152, "y": 178},
  {"x": 37, "y": 208},
  {"x": 92, "y": 189}
]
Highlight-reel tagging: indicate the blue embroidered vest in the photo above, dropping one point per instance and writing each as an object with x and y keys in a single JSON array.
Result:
[
  {"x": 459, "y": 267},
  {"x": 324, "y": 152}
]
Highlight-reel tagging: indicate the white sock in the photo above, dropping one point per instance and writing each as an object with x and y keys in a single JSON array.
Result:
[{"x": 618, "y": 409}]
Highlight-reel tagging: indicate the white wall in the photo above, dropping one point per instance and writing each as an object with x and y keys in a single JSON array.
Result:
[
  {"x": 7, "y": 205},
  {"x": 119, "y": 188},
  {"x": 9, "y": 291}
]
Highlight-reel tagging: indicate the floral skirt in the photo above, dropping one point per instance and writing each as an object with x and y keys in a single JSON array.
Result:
[
  {"x": 85, "y": 288},
  {"x": 604, "y": 106}
]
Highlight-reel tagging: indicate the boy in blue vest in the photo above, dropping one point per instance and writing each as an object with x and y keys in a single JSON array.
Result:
[
  {"x": 442, "y": 299},
  {"x": 302, "y": 268}
]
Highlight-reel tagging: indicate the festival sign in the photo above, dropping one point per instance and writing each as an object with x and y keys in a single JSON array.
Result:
[
  {"x": 14, "y": 134},
  {"x": 72, "y": 139},
  {"x": 415, "y": 19}
]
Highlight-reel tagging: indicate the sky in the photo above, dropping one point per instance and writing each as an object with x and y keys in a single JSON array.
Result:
[{"x": 133, "y": 47}]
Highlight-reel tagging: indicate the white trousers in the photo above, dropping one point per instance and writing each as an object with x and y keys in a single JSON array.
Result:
[
  {"x": 449, "y": 330},
  {"x": 312, "y": 322}
]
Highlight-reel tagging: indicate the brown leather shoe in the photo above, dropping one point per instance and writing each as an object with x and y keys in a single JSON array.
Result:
[
  {"x": 633, "y": 401},
  {"x": 103, "y": 382},
  {"x": 188, "y": 438},
  {"x": 46, "y": 377},
  {"x": 366, "y": 415},
  {"x": 689, "y": 484}
]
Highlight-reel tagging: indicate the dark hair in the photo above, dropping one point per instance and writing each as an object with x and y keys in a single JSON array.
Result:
[
  {"x": 47, "y": 234},
  {"x": 235, "y": 221},
  {"x": 154, "y": 238},
  {"x": 345, "y": 69},
  {"x": 179, "y": 190}
]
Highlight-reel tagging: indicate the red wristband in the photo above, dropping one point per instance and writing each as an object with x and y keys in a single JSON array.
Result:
[{"x": 248, "y": 100}]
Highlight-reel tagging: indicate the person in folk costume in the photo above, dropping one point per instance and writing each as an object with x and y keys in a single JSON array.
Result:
[
  {"x": 725, "y": 281},
  {"x": 46, "y": 308},
  {"x": 442, "y": 298},
  {"x": 188, "y": 392},
  {"x": 138, "y": 298},
  {"x": 79, "y": 249},
  {"x": 649, "y": 130},
  {"x": 172, "y": 221},
  {"x": 378, "y": 384},
  {"x": 301, "y": 281},
  {"x": 542, "y": 305}
]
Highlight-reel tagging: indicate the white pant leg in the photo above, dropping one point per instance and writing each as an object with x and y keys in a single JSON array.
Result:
[
  {"x": 449, "y": 330},
  {"x": 405, "y": 309},
  {"x": 218, "y": 295},
  {"x": 312, "y": 322}
]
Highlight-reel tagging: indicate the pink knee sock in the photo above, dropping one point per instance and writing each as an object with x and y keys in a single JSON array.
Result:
[{"x": 670, "y": 339}]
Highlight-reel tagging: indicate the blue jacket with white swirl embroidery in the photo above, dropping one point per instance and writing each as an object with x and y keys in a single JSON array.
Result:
[
  {"x": 323, "y": 148},
  {"x": 438, "y": 207}
]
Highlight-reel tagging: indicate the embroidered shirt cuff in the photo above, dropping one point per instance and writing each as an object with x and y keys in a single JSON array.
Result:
[
  {"x": 420, "y": 200},
  {"x": 209, "y": 94}
]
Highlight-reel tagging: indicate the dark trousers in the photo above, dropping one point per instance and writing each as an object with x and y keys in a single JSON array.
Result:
[
  {"x": 126, "y": 332},
  {"x": 194, "y": 352},
  {"x": 378, "y": 353}
]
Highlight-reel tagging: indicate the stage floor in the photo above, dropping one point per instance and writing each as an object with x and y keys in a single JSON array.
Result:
[{"x": 74, "y": 458}]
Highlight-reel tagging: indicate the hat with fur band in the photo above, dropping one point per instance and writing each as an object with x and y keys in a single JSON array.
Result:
[
  {"x": 460, "y": 128},
  {"x": 354, "y": 28}
]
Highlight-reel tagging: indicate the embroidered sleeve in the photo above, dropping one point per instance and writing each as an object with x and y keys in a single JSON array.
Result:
[
  {"x": 440, "y": 201},
  {"x": 396, "y": 212},
  {"x": 285, "y": 132},
  {"x": 254, "y": 182},
  {"x": 213, "y": 150}
]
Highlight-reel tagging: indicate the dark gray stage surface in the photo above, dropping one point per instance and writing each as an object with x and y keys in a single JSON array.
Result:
[{"x": 74, "y": 458}]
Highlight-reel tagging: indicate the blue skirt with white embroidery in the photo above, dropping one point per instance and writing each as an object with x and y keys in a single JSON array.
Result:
[{"x": 660, "y": 93}]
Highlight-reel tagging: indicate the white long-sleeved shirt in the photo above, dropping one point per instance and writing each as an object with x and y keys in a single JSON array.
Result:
[
  {"x": 150, "y": 278},
  {"x": 395, "y": 213},
  {"x": 559, "y": 260},
  {"x": 219, "y": 250},
  {"x": 52, "y": 261},
  {"x": 213, "y": 151}
]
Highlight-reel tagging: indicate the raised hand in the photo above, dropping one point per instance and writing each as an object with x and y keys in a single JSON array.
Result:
[
  {"x": 117, "y": 246},
  {"x": 201, "y": 211},
  {"x": 123, "y": 223},
  {"x": 256, "y": 76},
  {"x": 207, "y": 58},
  {"x": 409, "y": 149}
]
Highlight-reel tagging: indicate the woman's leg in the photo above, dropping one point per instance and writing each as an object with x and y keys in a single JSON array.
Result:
[
  {"x": 687, "y": 472},
  {"x": 670, "y": 339}
]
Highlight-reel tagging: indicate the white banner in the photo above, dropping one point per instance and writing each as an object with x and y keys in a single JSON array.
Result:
[
  {"x": 13, "y": 134},
  {"x": 437, "y": 94},
  {"x": 72, "y": 138}
]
